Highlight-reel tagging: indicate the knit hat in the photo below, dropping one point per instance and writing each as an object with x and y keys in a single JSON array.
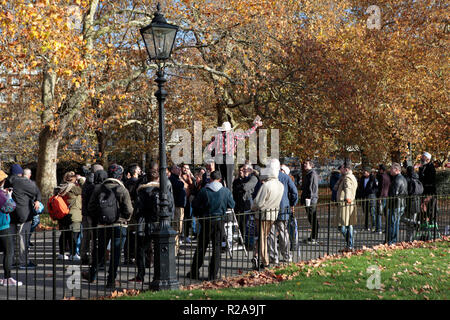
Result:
[
  {"x": 16, "y": 170},
  {"x": 115, "y": 171},
  {"x": 368, "y": 169},
  {"x": 3, "y": 175}
]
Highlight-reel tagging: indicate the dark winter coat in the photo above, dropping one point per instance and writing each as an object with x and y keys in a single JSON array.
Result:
[
  {"x": 427, "y": 175},
  {"x": 179, "y": 193},
  {"x": 213, "y": 200},
  {"x": 25, "y": 193},
  {"x": 398, "y": 190},
  {"x": 145, "y": 217},
  {"x": 122, "y": 196},
  {"x": 384, "y": 181},
  {"x": 88, "y": 188},
  {"x": 334, "y": 178},
  {"x": 310, "y": 187},
  {"x": 243, "y": 189},
  {"x": 369, "y": 191},
  {"x": 412, "y": 202},
  {"x": 290, "y": 196}
]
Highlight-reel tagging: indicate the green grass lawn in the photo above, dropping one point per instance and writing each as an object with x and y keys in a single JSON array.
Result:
[{"x": 411, "y": 273}]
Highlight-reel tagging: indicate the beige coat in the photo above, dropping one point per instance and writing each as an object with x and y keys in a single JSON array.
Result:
[
  {"x": 347, "y": 186},
  {"x": 268, "y": 199}
]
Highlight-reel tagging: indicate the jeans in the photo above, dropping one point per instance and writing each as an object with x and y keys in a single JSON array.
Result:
[
  {"x": 21, "y": 236},
  {"x": 376, "y": 218},
  {"x": 34, "y": 223},
  {"x": 115, "y": 234},
  {"x": 76, "y": 243},
  {"x": 347, "y": 232},
  {"x": 394, "y": 223},
  {"x": 369, "y": 207}
]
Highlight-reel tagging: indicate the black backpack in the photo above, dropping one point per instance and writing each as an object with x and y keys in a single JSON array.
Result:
[
  {"x": 417, "y": 187},
  {"x": 108, "y": 206}
]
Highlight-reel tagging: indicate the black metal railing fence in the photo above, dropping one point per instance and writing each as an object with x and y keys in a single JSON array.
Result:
[{"x": 53, "y": 267}]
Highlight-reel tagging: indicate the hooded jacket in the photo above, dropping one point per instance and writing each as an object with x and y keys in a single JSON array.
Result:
[
  {"x": 123, "y": 200},
  {"x": 268, "y": 199},
  {"x": 143, "y": 193},
  {"x": 73, "y": 196},
  {"x": 213, "y": 200},
  {"x": 25, "y": 193}
]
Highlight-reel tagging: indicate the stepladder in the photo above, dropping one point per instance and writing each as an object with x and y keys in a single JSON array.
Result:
[{"x": 233, "y": 236}]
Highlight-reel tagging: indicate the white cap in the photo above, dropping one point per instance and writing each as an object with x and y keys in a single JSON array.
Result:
[
  {"x": 426, "y": 154},
  {"x": 285, "y": 168}
]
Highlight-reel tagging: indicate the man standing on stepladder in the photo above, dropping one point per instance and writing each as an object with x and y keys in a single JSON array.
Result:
[{"x": 225, "y": 144}]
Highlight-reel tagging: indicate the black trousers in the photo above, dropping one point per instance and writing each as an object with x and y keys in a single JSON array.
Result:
[
  {"x": 211, "y": 230},
  {"x": 65, "y": 238},
  {"x": 226, "y": 169},
  {"x": 312, "y": 218},
  {"x": 144, "y": 253},
  {"x": 7, "y": 247}
]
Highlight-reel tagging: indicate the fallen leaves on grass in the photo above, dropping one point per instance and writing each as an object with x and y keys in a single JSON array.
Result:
[{"x": 123, "y": 293}]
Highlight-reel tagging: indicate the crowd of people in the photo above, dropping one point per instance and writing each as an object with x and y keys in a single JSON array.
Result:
[{"x": 103, "y": 204}]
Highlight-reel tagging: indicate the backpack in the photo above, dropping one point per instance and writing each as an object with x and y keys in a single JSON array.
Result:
[
  {"x": 108, "y": 206},
  {"x": 417, "y": 187},
  {"x": 57, "y": 207}
]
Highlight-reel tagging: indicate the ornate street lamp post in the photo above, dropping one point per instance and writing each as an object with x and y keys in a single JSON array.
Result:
[{"x": 159, "y": 38}]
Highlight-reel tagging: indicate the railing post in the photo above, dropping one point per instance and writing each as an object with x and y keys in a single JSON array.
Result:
[
  {"x": 329, "y": 228},
  {"x": 386, "y": 227},
  {"x": 435, "y": 217},
  {"x": 54, "y": 262},
  {"x": 259, "y": 240}
]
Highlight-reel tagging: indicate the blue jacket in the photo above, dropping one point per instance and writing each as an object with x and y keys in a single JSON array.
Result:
[{"x": 290, "y": 196}]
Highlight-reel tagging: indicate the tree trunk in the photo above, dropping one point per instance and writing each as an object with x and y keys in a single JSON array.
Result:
[
  {"x": 102, "y": 147},
  {"x": 396, "y": 156},
  {"x": 47, "y": 161}
]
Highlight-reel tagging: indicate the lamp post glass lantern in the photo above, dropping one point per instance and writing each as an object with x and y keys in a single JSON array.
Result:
[{"x": 159, "y": 38}]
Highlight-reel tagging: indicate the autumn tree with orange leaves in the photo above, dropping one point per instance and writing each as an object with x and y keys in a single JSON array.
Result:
[{"x": 311, "y": 68}]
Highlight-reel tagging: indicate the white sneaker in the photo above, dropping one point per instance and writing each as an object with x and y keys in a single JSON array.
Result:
[
  {"x": 76, "y": 258},
  {"x": 62, "y": 257},
  {"x": 11, "y": 282}
]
